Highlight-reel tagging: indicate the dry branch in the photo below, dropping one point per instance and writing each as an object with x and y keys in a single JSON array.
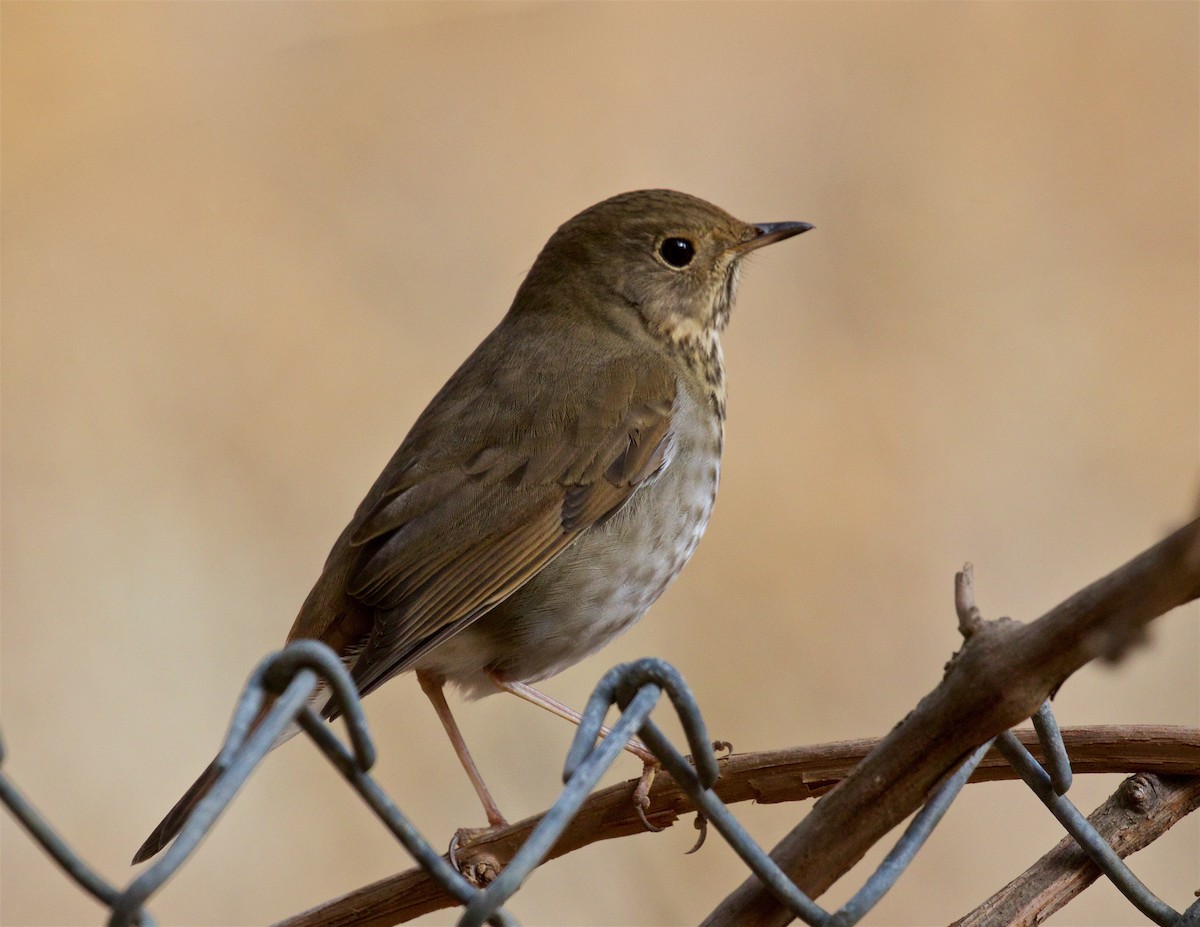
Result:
[
  {"x": 775, "y": 776},
  {"x": 1002, "y": 674},
  {"x": 1138, "y": 813}
]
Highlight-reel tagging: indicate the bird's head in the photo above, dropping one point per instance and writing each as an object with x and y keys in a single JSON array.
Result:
[{"x": 667, "y": 258}]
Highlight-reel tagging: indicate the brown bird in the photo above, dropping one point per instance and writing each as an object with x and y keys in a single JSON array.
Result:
[{"x": 557, "y": 483}]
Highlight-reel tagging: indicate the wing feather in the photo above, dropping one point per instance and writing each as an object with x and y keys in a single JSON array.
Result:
[{"x": 451, "y": 529}]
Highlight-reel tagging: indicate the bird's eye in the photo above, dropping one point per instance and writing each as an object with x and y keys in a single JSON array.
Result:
[{"x": 678, "y": 252}]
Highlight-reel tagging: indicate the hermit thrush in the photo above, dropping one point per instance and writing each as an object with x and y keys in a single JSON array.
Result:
[{"x": 558, "y": 482}]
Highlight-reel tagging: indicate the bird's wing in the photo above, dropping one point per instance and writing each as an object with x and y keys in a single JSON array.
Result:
[{"x": 465, "y": 522}]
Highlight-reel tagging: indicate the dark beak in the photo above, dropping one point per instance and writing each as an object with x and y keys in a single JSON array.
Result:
[{"x": 771, "y": 232}]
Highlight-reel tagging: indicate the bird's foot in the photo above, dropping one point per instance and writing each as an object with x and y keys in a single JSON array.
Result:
[
  {"x": 478, "y": 868},
  {"x": 641, "y": 794},
  {"x": 718, "y": 746}
]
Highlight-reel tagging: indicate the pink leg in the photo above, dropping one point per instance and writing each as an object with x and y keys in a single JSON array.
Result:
[
  {"x": 555, "y": 707},
  {"x": 641, "y": 794},
  {"x": 432, "y": 686}
]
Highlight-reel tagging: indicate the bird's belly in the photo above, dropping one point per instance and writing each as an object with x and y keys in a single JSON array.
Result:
[{"x": 597, "y": 588}]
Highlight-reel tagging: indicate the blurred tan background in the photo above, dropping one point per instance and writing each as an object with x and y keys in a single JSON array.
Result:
[{"x": 243, "y": 244}]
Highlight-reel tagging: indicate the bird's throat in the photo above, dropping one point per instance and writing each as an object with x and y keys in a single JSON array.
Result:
[{"x": 698, "y": 348}]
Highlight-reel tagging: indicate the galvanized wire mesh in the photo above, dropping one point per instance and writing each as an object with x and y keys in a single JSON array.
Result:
[{"x": 291, "y": 676}]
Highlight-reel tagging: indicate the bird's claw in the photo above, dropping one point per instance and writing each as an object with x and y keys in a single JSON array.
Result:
[
  {"x": 702, "y": 826},
  {"x": 641, "y": 796}
]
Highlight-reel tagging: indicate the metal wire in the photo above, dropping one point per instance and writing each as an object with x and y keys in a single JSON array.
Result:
[
  {"x": 1058, "y": 766},
  {"x": 52, "y": 843},
  {"x": 281, "y": 692},
  {"x": 1078, "y": 826}
]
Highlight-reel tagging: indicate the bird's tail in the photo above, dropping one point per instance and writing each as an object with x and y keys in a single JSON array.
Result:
[
  {"x": 177, "y": 816},
  {"x": 173, "y": 823}
]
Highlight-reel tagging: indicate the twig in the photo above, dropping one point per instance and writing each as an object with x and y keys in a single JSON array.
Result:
[
  {"x": 1138, "y": 813},
  {"x": 970, "y": 619},
  {"x": 769, "y": 777},
  {"x": 1001, "y": 676}
]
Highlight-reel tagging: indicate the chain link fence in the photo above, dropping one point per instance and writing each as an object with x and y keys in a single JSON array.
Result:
[{"x": 289, "y": 678}]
